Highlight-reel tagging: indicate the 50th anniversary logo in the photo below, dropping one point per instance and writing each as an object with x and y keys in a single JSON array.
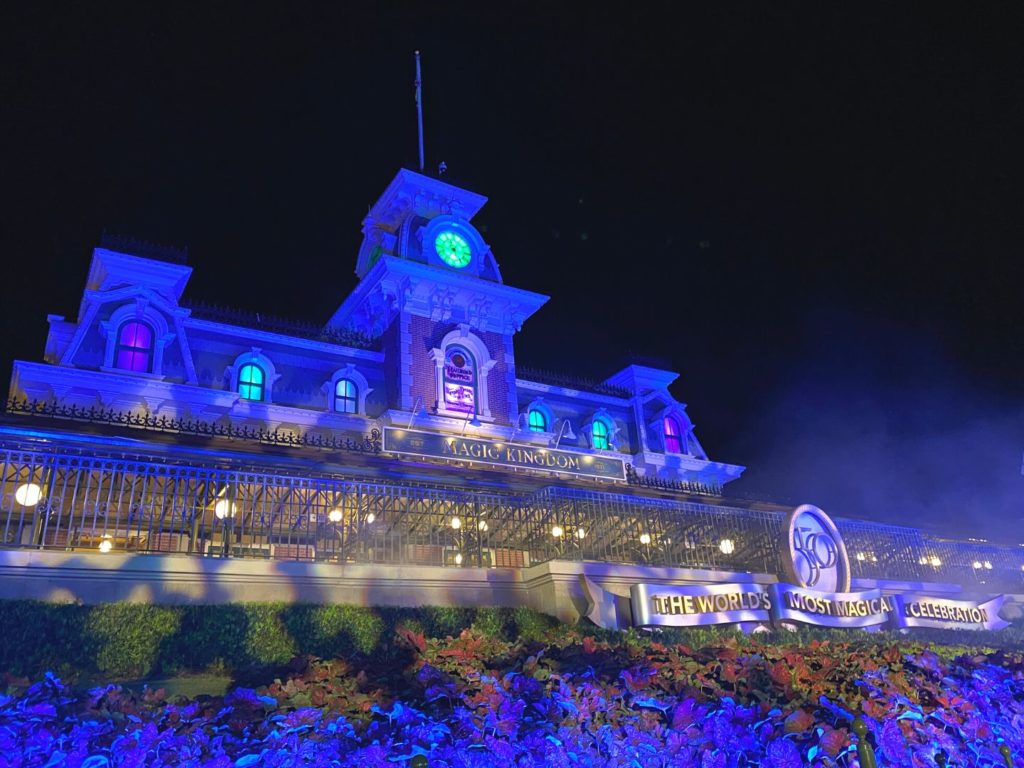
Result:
[{"x": 815, "y": 590}]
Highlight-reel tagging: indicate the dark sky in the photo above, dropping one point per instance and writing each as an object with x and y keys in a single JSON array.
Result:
[{"x": 814, "y": 213}]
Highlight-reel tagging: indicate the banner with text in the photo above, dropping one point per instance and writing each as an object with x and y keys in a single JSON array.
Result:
[
  {"x": 467, "y": 449},
  {"x": 661, "y": 605},
  {"x": 942, "y": 613}
]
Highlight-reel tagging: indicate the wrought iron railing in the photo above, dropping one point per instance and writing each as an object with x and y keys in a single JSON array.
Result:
[
  {"x": 570, "y": 381},
  {"x": 129, "y": 419},
  {"x": 690, "y": 488},
  {"x": 63, "y": 500},
  {"x": 284, "y": 326}
]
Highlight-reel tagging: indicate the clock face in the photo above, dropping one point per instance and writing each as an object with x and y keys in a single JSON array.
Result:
[{"x": 453, "y": 249}]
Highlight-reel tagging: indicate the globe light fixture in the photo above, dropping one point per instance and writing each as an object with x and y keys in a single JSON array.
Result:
[
  {"x": 581, "y": 534},
  {"x": 335, "y": 515},
  {"x": 861, "y": 556},
  {"x": 456, "y": 523},
  {"x": 727, "y": 546},
  {"x": 988, "y": 565},
  {"x": 976, "y": 565},
  {"x": 557, "y": 532},
  {"x": 224, "y": 508},
  {"x": 482, "y": 525},
  {"x": 370, "y": 518},
  {"x": 645, "y": 538},
  {"x": 458, "y": 558},
  {"x": 106, "y": 544},
  {"x": 935, "y": 562},
  {"x": 28, "y": 494}
]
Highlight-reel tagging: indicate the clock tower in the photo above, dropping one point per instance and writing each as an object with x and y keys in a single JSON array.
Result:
[{"x": 431, "y": 288}]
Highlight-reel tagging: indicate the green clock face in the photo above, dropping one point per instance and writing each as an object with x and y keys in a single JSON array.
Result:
[{"x": 453, "y": 249}]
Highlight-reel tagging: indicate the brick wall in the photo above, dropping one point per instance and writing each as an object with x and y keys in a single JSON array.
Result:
[{"x": 426, "y": 335}]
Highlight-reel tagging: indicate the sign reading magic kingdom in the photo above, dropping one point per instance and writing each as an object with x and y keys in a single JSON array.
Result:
[
  {"x": 815, "y": 590},
  {"x": 437, "y": 446}
]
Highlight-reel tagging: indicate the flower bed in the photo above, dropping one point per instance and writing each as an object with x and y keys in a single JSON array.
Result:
[{"x": 565, "y": 699}]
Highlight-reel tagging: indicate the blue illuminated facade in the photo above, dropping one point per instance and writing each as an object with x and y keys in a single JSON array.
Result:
[
  {"x": 435, "y": 326},
  {"x": 401, "y": 430}
]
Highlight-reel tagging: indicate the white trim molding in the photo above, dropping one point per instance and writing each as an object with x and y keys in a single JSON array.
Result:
[
  {"x": 538, "y": 404},
  {"x": 691, "y": 446},
  {"x": 255, "y": 355},
  {"x": 462, "y": 336},
  {"x": 602, "y": 414},
  {"x": 140, "y": 310},
  {"x": 351, "y": 373}
]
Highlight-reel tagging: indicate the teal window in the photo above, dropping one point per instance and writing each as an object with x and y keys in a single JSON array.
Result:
[
  {"x": 251, "y": 382},
  {"x": 453, "y": 249},
  {"x": 345, "y": 396},
  {"x": 538, "y": 421},
  {"x": 599, "y": 433}
]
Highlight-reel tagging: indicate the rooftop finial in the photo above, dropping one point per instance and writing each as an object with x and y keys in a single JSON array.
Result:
[{"x": 419, "y": 107}]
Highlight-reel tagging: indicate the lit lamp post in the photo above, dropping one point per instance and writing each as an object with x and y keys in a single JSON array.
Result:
[
  {"x": 347, "y": 531},
  {"x": 565, "y": 536},
  {"x": 224, "y": 510},
  {"x": 29, "y": 495}
]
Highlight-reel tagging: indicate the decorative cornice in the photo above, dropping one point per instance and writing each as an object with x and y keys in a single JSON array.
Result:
[{"x": 398, "y": 285}]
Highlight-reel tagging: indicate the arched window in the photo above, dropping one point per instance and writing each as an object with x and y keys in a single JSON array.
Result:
[
  {"x": 599, "y": 435},
  {"x": 673, "y": 436},
  {"x": 459, "y": 378},
  {"x": 134, "y": 350},
  {"x": 346, "y": 396},
  {"x": 251, "y": 382},
  {"x": 538, "y": 421}
]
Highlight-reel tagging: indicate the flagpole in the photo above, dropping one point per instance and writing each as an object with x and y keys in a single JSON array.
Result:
[{"x": 419, "y": 107}]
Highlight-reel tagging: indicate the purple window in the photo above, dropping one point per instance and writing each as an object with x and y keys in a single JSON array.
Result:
[
  {"x": 673, "y": 436},
  {"x": 134, "y": 347}
]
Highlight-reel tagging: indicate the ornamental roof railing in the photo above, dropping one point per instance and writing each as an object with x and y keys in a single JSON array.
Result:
[
  {"x": 288, "y": 327},
  {"x": 687, "y": 487},
  {"x": 133, "y": 246},
  {"x": 367, "y": 444},
  {"x": 570, "y": 381}
]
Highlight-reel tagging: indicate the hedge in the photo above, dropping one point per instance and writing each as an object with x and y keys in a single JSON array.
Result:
[{"x": 129, "y": 640}]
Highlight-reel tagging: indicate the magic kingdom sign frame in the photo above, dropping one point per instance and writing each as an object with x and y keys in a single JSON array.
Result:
[{"x": 434, "y": 445}]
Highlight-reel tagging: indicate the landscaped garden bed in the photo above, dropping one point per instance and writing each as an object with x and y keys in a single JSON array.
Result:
[{"x": 342, "y": 686}]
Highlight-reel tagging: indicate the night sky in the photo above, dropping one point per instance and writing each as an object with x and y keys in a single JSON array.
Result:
[{"x": 813, "y": 214}]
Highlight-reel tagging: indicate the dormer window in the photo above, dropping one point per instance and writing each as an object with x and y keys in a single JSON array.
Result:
[
  {"x": 599, "y": 435},
  {"x": 251, "y": 382},
  {"x": 673, "y": 436},
  {"x": 134, "y": 350},
  {"x": 346, "y": 396},
  {"x": 538, "y": 421}
]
